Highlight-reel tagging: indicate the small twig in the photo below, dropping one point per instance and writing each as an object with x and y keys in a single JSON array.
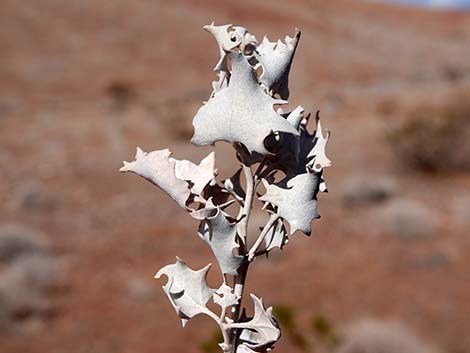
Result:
[
  {"x": 213, "y": 316},
  {"x": 262, "y": 252},
  {"x": 267, "y": 227},
  {"x": 263, "y": 174},
  {"x": 226, "y": 204},
  {"x": 239, "y": 285},
  {"x": 224, "y": 327},
  {"x": 239, "y": 280},
  {"x": 236, "y": 197},
  {"x": 246, "y": 210}
]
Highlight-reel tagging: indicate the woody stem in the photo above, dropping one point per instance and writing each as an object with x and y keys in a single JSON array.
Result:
[
  {"x": 240, "y": 278},
  {"x": 272, "y": 219}
]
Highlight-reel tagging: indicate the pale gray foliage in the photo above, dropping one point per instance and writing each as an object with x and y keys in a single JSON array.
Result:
[
  {"x": 228, "y": 38},
  {"x": 220, "y": 234},
  {"x": 318, "y": 152},
  {"x": 275, "y": 148},
  {"x": 16, "y": 241},
  {"x": 276, "y": 59},
  {"x": 276, "y": 237},
  {"x": 197, "y": 175},
  {"x": 187, "y": 289},
  {"x": 225, "y": 297},
  {"x": 159, "y": 169},
  {"x": 296, "y": 116},
  {"x": 296, "y": 200},
  {"x": 262, "y": 331},
  {"x": 230, "y": 115}
]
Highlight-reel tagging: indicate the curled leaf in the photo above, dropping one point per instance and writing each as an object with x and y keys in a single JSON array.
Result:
[
  {"x": 244, "y": 349},
  {"x": 318, "y": 152},
  {"x": 187, "y": 289},
  {"x": 262, "y": 331},
  {"x": 220, "y": 234},
  {"x": 197, "y": 175},
  {"x": 225, "y": 297},
  {"x": 229, "y": 37},
  {"x": 158, "y": 168},
  {"x": 304, "y": 153},
  {"x": 296, "y": 199},
  {"x": 276, "y": 60},
  {"x": 242, "y": 112},
  {"x": 247, "y": 40},
  {"x": 295, "y": 117},
  {"x": 276, "y": 237},
  {"x": 288, "y": 157},
  {"x": 322, "y": 187}
]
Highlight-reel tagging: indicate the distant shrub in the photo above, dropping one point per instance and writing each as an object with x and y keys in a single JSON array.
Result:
[
  {"x": 367, "y": 189},
  {"x": 325, "y": 332},
  {"x": 436, "y": 138},
  {"x": 25, "y": 289},
  {"x": 372, "y": 336},
  {"x": 121, "y": 93},
  {"x": 321, "y": 325},
  {"x": 16, "y": 240},
  {"x": 30, "y": 272},
  {"x": 285, "y": 315},
  {"x": 32, "y": 195},
  {"x": 407, "y": 219}
]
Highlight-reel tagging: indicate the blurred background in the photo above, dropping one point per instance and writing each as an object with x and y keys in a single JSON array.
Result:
[{"x": 82, "y": 83}]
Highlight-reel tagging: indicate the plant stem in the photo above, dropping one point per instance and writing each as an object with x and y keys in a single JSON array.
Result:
[
  {"x": 272, "y": 219},
  {"x": 248, "y": 204},
  {"x": 240, "y": 278},
  {"x": 238, "y": 290}
]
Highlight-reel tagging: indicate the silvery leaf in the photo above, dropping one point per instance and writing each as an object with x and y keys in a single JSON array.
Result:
[
  {"x": 222, "y": 82},
  {"x": 220, "y": 194},
  {"x": 158, "y": 168},
  {"x": 225, "y": 41},
  {"x": 208, "y": 211},
  {"x": 225, "y": 297},
  {"x": 276, "y": 59},
  {"x": 295, "y": 117},
  {"x": 186, "y": 289},
  {"x": 318, "y": 152},
  {"x": 296, "y": 199},
  {"x": 262, "y": 331},
  {"x": 242, "y": 112},
  {"x": 322, "y": 187},
  {"x": 305, "y": 152},
  {"x": 276, "y": 237},
  {"x": 247, "y": 40},
  {"x": 220, "y": 234},
  {"x": 197, "y": 175},
  {"x": 244, "y": 349},
  {"x": 228, "y": 38},
  {"x": 288, "y": 156}
]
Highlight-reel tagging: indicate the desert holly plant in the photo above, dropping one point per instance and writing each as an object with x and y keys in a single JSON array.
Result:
[{"x": 281, "y": 164}]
